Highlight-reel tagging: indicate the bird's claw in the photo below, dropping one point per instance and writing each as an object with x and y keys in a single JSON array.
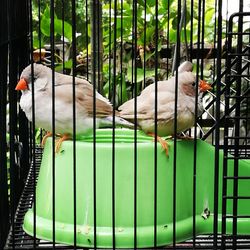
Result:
[
  {"x": 185, "y": 137},
  {"x": 48, "y": 134},
  {"x": 163, "y": 143},
  {"x": 59, "y": 142}
]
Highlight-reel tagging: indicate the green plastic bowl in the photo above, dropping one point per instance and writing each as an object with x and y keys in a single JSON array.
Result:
[{"x": 122, "y": 200}]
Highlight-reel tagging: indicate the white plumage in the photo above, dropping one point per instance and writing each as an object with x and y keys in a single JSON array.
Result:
[
  {"x": 166, "y": 104},
  {"x": 63, "y": 102}
]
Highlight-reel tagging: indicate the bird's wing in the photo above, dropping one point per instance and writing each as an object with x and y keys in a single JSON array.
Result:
[
  {"x": 83, "y": 95},
  {"x": 146, "y": 107}
]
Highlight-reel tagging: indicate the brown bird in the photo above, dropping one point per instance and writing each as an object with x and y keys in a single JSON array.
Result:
[
  {"x": 166, "y": 105},
  {"x": 84, "y": 109}
]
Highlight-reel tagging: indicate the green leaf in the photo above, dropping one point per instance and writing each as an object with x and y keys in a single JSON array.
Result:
[
  {"x": 151, "y": 3},
  {"x": 67, "y": 65},
  {"x": 140, "y": 2},
  {"x": 140, "y": 74},
  {"x": 58, "y": 26},
  {"x": 106, "y": 89},
  {"x": 125, "y": 22},
  {"x": 122, "y": 90},
  {"x": 172, "y": 35},
  {"x": 36, "y": 42},
  {"x": 45, "y": 25},
  {"x": 149, "y": 34},
  {"x": 67, "y": 29},
  {"x": 45, "y": 21},
  {"x": 46, "y": 12},
  {"x": 209, "y": 15},
  {"x": 127, "y": 6},
  {"x": 165, "y": 3},
  {"x": 175, "y": 23}
]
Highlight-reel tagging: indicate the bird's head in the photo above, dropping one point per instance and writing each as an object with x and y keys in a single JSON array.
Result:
[
  {"x": 40, "y": 77},
  {"x": 187, "y": 84}
]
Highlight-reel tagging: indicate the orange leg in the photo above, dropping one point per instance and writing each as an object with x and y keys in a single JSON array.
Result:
[
  {"x": 60, "y": 141},
  {"x": 163, "y": 142},
  {"x": 48, "y": 134}
]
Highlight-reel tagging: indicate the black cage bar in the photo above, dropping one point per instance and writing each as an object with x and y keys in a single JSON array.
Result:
[{"x": 122, "y": 47}]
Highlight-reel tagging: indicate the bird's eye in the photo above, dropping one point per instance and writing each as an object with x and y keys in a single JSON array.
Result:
[{"x": 193, "y": 84}]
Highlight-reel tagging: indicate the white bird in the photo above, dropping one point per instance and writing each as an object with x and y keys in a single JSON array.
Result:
[
  {"x": 63, "y": 103},
  {"x": 166, "y": 105}
]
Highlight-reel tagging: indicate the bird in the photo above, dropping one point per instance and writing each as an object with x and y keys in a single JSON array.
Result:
[
  {"x": 63, "y": 103},
  {"x": 166, "y": 105}
]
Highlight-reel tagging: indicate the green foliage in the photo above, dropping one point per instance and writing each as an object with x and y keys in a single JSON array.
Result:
[
  {"x": 124, "y": 23},
  {"x": 139, "y": 74},
  {"x": 46, "y": 25}
]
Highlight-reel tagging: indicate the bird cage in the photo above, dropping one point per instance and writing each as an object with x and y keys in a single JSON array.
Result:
[{"x": 117, "y": 179}]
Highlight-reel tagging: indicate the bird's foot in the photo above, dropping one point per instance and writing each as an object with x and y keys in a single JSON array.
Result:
[
  {"x": 185, "y": 137},
  {"x": 163, "y": 143},
  {"x": 48, "y": 134},
  {"x": 59, "y": 142}
]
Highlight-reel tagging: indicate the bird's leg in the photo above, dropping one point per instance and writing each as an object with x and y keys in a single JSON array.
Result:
[
  {"x": 48, "y": 134},
  {"x": 59, "y": 142},
  {"x": 163, "y": 142},
  {"x": 184, "y": 137}
]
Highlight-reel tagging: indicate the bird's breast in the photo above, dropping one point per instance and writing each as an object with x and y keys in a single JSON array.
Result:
[{"x": 26, "y": 104}]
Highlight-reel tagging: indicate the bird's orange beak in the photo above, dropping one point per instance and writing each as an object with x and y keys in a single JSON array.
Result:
[
  {"x": 204, "y": 86},
  {"x": 21, "y": 85}
]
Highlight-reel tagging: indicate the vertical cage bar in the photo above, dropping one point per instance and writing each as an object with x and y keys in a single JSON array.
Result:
[
  {"x": 214, "y": 63},
  {"x": 87, "y": 37},
  {"x": 4, "y": 203},
  {"x": 33, "y": 126},
  {"x": 175, "y": 66},
  {"x": 97, "y": 49},
  {"x": 52, "y": 49},
  {"x": 217, "y": 127},
  {"x": 134, "y": 82},
  {"x": 113, "y": 130},
  {"x": 94, "y": 30},
  {"x": 110, "y": 51},
  {"x": 237, "y": 124},
  {"x": 195, "y": 159},
  {"x": 63, "y": 36},
  {"x": 247, "y": 120},
  {"x": 121, "y": 55},
  {"x": 15, "y": 183},
  {"x": 226, "y": 133},
  {"x": 24, "y": 125},
  {"x": 144, "y": 42},
  {"x": 215, "y": 32},
  {"x": 24, "y": 136},
  {"x": 39, "y": 30},
  {"x": 191, "y": 30},
  {"x": 200, "y": 12},
  {"x": 168, "y": 35},
  {"x": 73, "y": 16},
  {"x": 203, "y": 7},
  {"x": 156, "y": 35}
]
